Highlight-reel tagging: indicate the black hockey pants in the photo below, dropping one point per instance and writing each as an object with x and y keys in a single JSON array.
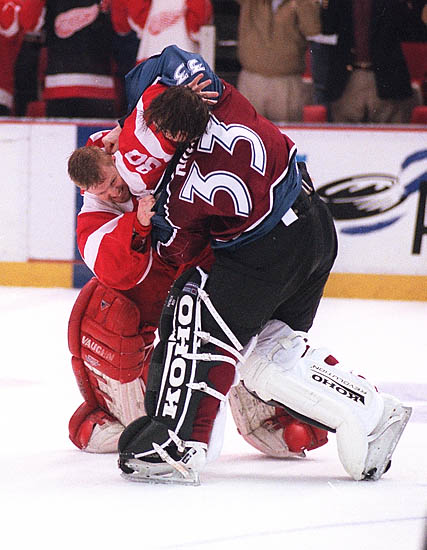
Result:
[{"x": 280, "y": 276}]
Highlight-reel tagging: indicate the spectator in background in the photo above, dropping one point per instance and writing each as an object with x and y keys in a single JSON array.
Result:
[
  {"x": 368, "y": 78},
  {"x": 161, "y": 23},
  {"x": 15, "y": 18},
  {"x": 420, "y": 8},
  {"x": 79, "y": 79},
  {"x": 125, "y": 50},
  {"x": 271, "y": 49},
  {"x": 322, "y": 47},
  {"x": 30, "y": 69}
]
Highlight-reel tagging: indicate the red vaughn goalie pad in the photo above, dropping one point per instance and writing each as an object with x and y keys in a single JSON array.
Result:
[
  {"x": 94, "y": 430},
  {"x": 110, "y": 356},
  {"x": 104, "y": 332}
]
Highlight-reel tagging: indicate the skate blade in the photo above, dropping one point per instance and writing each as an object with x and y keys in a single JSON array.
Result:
[
  {"x": 159, "y": 474},
  {"x": 379, "y": 458}
]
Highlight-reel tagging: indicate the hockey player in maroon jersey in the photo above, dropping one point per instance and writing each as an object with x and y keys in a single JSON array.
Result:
[
  {"x": 238, "y": 187},
  {"x": 111, "y": 331}
]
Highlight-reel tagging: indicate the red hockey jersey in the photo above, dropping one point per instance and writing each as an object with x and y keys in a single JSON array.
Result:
[
  {"x": 159, "y": 23},
  {"x": 143, "y": 153},
  {"x": 111, "y": 241}
]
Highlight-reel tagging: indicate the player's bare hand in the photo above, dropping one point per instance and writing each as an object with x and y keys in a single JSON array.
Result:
[
  {"x": 198, "y": 86},
  {"x": 111, "y": 140},
  {"x": 144, "y": 212}
]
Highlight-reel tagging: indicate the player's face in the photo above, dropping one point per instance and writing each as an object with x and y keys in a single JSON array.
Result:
[{"x": 112, "y": 188}]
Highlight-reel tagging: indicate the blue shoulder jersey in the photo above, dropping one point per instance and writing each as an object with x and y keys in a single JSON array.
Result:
[{"x": 172, "y": 67}]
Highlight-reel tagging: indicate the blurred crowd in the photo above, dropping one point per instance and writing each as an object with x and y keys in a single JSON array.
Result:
[{"x": 352, "y": 61}]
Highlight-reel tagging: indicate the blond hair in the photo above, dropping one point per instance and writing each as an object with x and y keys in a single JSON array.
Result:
[{"x": 85, "y": 166}]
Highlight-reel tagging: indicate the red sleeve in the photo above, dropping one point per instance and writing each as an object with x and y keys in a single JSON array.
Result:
[
  {"x": 107, "y": 245},
  {"x": 9, "y": 14},
  {"x": 199, "y": 12},
  {"x": 138, "y": 11},
  {"x": 31, "y": 14},
  {"x": 119, "y": 16},
  {"x": 96, "y": 139}
]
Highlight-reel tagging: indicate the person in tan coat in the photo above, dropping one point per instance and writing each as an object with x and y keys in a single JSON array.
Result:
[{"x": 272, "y": 46}]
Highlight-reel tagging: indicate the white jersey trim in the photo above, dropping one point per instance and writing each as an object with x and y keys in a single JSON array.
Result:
[
  {"x": 94, "y": 242},
  {"x": 92, "y": 203},
  {"x": 6, "y": 98},
  {"x": 150, "y": 263},
  {"x": 79, "y": 79},
  {"x": 133, "y": 179},
  {"x": 147, "y": 137},
  {"x": 13, "y": 29}
]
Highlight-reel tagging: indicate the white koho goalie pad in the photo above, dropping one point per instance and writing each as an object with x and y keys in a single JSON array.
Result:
[{"x": 283, "y": 369}]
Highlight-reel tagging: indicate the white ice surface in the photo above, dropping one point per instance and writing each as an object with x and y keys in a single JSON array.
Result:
[{"x": 54, "y": 496}]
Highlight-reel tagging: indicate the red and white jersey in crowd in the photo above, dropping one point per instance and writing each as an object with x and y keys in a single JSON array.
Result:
[
  {"x": 79, "y": 47},
  {"x": 143, "y": 153},
  {"x": 237, "y": 182},
  {"x": 160, "y": 23},
  {"x": 16, "y": 17},
  {"x": 20, "y": 15}
]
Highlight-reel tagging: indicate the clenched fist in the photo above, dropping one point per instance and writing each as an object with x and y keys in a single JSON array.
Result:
[{"x": 144, "y": 212}]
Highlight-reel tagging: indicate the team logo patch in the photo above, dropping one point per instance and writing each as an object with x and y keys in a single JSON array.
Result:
[
  {"x": 104, "y": 305},
  {"x": 191, "y": 288}
]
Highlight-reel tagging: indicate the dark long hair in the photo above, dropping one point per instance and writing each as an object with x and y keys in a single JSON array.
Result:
[{"x": 178, "y": 110}]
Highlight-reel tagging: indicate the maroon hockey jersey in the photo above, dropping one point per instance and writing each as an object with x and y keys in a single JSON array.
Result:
[{"x": 233, "y": 186}]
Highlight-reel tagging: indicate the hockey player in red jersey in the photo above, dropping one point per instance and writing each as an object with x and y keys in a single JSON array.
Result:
[
  {"x": 113, "y": 228},
  {"x": 113, "y": 322},
  {"x": 238, "y": 187}
]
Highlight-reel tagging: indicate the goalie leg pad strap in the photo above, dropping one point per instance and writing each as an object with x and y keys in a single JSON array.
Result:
[
  {"x": 189, "y": 377},
  {"x": 316, "y": 387},
  {"x": 183, "y": 366}
]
